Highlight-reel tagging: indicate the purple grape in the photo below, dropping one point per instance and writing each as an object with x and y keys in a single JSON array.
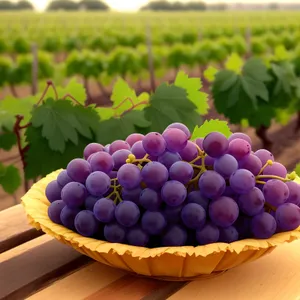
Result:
[
  {"x": 208, "y": 234},
  {"x": 275, "y": 192},
  {"x": 173, "y": 213},
  {"x": 113, "y": 174},
  {"x": 240, "y": 135},
  {"x": 90, "y": 202},
  {"x": 114, "y": 233},
  {"x": 119, "y": 158},
  {"x": 132, "y": 195},
  {"x": 154, "y": 175},
  {"x": 91, "y": 149},
  {"x": 242, "y": 181},
  {"x": 294, "y": 192},
  {"x": 53, "y": 191},
  {"x": 240, "y": 149},
  {"x": 127, "y": 213},
  {"x": 181, "y": 171},
  {"x": 215, "y": 144},
  {"x": 154, "y": 144},
  {"x": 118, "y": 145},
  {"x": 199, "y": 143},
  {"x": 133, "y": 138},
  {"x": 209, "y": 161},
  {"x": 104, "y": 210},
  {"x": 193, "y": 216},
  {"x": 68, "y": 216},
  {"x": 63, "y": 178},
  {"x": 174, "y": 236},
  {"x": 212, "y": 184},
  {"x": 229, "y": 192},
  {"x": 176, "y": 139},
  {"x": 90, "y": 158},
  {"x": 243, "y": 226},
  {"x": 74, "y": 194},
  {"x": 197, "y": 197},
  {"x": 78, "y": 170},
  {"x": 150, "y": 199},
  {"x": 106, "y": 148},
  {"x": 137, "y": 237},
  {"x": 98, "y": 183},
  {"x": 252, "y": 203},
  {"x": 129, "y": 176},
  {"x": 226, "y": 165},
  {"x": 228, "y": 235},
  {"x": 264, "y": 155},
  {"x": 288, "y": 216},
  {"x": 173, "y": 193},
  {"x": 190, "y": 152},
  {"x": 182, "y": 127},
  {"x": 153, "y": 222},
  {"x": 169, "y": 158},
  {"x": 263, "y": 226},
  {"x": 54, "y": 211},
  {"x": 138, "y": 150},
  {"x": 86, "y": 224},
  {"x": 102, "y": 162},
  {"x": 251, "y": 163},
  {"x": 276, "y": 169},
  {"x": 223, "y": 212}
]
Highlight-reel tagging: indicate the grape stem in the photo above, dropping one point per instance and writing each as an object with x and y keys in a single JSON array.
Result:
[
  {"x": 268, "y": 163},
  {"x": 49, "y": 83},
  {"x": 115, "y": 191},
  {"x": 272, "y": 177},
  {"x": 72, "y": 98}
]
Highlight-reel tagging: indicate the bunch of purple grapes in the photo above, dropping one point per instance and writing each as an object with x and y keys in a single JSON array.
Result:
[{"x": 167, "y": 190}]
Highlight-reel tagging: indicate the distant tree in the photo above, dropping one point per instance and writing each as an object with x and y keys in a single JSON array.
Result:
[
  {"x": 175, "y": 6},
  {"x": 62, "y": 5},
  {"x": 93, "y": 5},
  {"x": 178, "y": 6},
  {"x": 158, "y": 5},
  {"x": 6, "y": 5},
  {"x": 217, "y": 6},
  {"x": 273, "y": 6},
  {"x": 196, "y": 5},
  {"x": 24, "y": 5}
]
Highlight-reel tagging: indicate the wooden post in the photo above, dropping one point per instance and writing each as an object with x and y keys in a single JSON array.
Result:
[
  {"x": 248, "y": 39},
  {"x": 150, "y": 57},
  {"x": 35, "y": 69}
]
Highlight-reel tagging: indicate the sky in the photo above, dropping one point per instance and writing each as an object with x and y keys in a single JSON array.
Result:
[{"x": 134, "y": 5}]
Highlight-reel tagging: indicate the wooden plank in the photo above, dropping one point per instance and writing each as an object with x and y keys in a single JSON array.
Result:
[
  {"x": 273, "y": 277},
  {"x": 14, "y": 228},
  {"x": 32, "y": 265}
]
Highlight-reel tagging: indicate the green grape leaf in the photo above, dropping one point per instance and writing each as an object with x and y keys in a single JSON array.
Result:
[
  {"x": 61, "y": 122},
  {"x": 211, "y": 126},
  {"x": 210, "y": 73},
  {"x": 283, "y": 116},
  {"x": 192, "y": 87},
  {"x": 280, "y": 53},
  {"x": 234, "y": 63},
  {"x": 10, "y": 179},
  {"x": 255, "y": 69},
  {"x": 7, "y": 139},
  {"x": 297, "y": 169},
  {"x": 105, "y": 113}
]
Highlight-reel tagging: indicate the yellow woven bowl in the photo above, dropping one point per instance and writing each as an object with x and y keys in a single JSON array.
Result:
[{"x": 166, "y": 263}]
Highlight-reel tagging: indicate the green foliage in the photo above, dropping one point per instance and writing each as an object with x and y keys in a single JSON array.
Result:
[
  {"x": 10, "y": 178},
  {"x": 211, "y": 126}
]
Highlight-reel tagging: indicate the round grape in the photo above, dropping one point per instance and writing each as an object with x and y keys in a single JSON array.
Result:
[
  {"x": 197, "y": 197},
  {"x": 228, "y": 235},
  {"x": 240, "y": 149},
  {"x": 114, "y": 233},
  {"x": 154, "y": 144},
  {"x": 229, "y": 192},
  {"x": 193, "y": 216},
  {"x": 223, "y": 212},
  {"x": 138, "y": 150},
  {"x": 129, "y": 176},
  {"x": 169, "y": 158},
  {"x": 120, "y": 157},
  {"x": 181, "y": 127},
  {"x": 263, "y": 226},
  {"x": 212, "y": 184},
  {"x": 173, "y": 193},
  {"x": 132, "y": 195},
  {"x": 176, "y": 139},
  {"x": 91, "y": 149},
  {"x": 276, "y": 169},
  {"x": 242, "y": 181},
  {"x": 240, "y": 135},
  {"x": 276, "y": 192},
  {"x": 208, "y": 234},
  {"x": 98, "y": 183},
  {"x": 155, "y": 175},
  {"x": 174, "y": 236},
  {"x": 288, "y": 217},
  {"x": 173, "y": 213},
  {"x": 264, "y": 155},
  {"x": 190, "y": 152},
  {"x": 209, "y": 161},
  {"x": 53, "y": 191},
  {"x": 137, "y": 237},
  {"x": 127, "y": 213},
  {"x": 226, "y": 165},
  {"x": 150, "y": 199},
  {"x": 133, "y": 138},
  {"x": 199, "y": 143},
  {"x": 54, "y": 211},
  {"x": 243, "y": 226},
  {"x": 106, "y": 148},
  {"x": 102, "y": 162},
  {"x": 153, "y": 222},
  {"x": 78, "y": 170},
  {"x": 104, "y": 210},
  {"x": 215, "y": 144},
  {"x": 86, "y": 224},
  {"x": 294, "y": 192},
  {"x": 63, "y": 178},
  {"x": 74, "y": 194},
  {"x": 68, "y": 216},
  {"x": 89, "y": 202},
  {"x": 113, "y": 174},
  {"x": 181, "y": 171},
  {"x": 252, "y": 203},
  {"x": 118, "y": 145},
  {"x": 251, "y": 163}
]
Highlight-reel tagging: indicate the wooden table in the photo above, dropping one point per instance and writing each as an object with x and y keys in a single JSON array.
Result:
[{"x": 37, "y": 267}]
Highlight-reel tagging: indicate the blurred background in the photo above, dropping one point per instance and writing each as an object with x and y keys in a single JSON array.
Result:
[{"x": 145, "y": 43}]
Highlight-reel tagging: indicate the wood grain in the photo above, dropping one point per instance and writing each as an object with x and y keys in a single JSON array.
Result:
[
  {"x": 29, "y": 267},
  {"x": 14, "y": 228},
  {"x": 273, "y": 277}
]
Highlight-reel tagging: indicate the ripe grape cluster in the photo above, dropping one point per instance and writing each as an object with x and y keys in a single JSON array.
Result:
[{"x": 168, "y": 190}]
